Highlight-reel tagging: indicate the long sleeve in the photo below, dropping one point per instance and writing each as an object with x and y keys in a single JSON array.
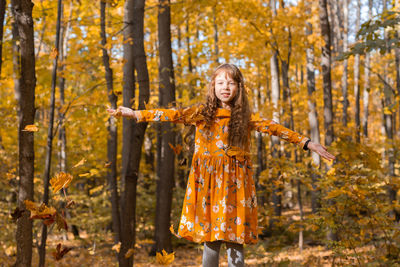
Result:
[
  {"x": 187, "y": 115},
  {"x": 273, "y": 128}
]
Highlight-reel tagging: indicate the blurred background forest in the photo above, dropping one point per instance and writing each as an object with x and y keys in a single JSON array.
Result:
[{"x": 329, "y": 69}]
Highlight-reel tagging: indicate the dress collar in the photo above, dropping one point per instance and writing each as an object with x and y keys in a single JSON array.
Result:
[{"x": 222, "y": 112}]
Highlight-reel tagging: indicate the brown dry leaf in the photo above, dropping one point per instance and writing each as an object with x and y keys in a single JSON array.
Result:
[
  {"x": 165, "y": 258},
  {"x": 59, "y": 253},
  {"x": 61, "y": 180},
  {"x": 61, "y": 222},
  {"x": 80, "y": 163},
  {"x": 41, "y": 211},
  {"x": 31, "y": 128}
]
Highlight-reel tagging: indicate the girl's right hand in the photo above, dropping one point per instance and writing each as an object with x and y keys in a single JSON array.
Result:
[{"x": 121, "y": 112}]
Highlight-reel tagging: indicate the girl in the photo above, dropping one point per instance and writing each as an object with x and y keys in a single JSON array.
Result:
[{"x": 220, "y": 202}]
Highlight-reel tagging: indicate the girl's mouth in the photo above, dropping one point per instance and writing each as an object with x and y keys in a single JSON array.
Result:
[{"x": 225, "y": 95}]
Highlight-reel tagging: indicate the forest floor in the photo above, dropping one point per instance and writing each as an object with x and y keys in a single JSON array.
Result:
[{"x": 84, "y": 253}]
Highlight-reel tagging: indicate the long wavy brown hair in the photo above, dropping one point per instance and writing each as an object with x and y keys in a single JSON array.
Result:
[{"x": 240, "y": 109}]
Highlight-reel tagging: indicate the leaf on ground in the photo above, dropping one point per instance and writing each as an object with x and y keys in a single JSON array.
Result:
[
  {"x": 165, "y": 258},
  {"x": 61, "y": 180},
  {"x": 59, "y": 253}
]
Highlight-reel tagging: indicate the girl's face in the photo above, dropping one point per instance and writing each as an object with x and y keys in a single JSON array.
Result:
[{"x": 225, "y": 89}]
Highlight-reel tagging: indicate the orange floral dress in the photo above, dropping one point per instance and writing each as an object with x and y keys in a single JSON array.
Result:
[{"x": 220, "y": 201}]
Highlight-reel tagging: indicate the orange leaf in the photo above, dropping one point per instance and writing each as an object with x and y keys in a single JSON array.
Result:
[
  {"x": 61, "y": 180},
  {"x": 129, "y": 253},
  {"x": 47, "y": 214},
  {"x": 177, "y": 149},
  {"x": 80, "y": 163},
  {"x": 30, "y": 128},
  {"x": 165, "y": 258},
  {"x": 59, "y": 253}
]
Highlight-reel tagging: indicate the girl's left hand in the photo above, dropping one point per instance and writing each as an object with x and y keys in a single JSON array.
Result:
[{"x": 320, "y": 150}]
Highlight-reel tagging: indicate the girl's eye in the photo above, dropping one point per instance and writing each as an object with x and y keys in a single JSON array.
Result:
[{"x": 232, "y": 83}]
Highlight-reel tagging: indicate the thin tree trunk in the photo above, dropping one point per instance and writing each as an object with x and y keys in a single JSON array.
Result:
[
  {"x": 22, "y": 13},
  {"x": 345, "y": 63},
  {"x": 366, "y": 82},
  {"x": 165, "y": 175},
  {"x": 47, "y": 168},
  {"x": 357, "y": 79},
  {"x": 216, "y": 50},
  {"x": 3, "y": 5},
  {"x": 112, "y": 131},
  {"x": 313, "y": 121}
]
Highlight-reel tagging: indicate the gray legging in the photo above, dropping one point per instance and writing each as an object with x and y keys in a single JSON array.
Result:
[{"x": 211, "y": 254}]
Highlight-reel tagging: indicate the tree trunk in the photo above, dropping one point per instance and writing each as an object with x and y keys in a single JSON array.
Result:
[
  {"x": 165, "y": 173},
  {"x": 326, "y": 75},
  {"x": 135, "y": 57},
  {"x": 366, "y": 82},
  {"x": 345, "y": 102},
  {"x": 22, "y": 13},
  {"x": 47, "y": 168},
  {"x": 112, "y": 131},
  {"x": 216, "y": 50},
  {"x": 357, "y": 79},
  {"x": 3, "y": 5},
  {"x": 313, "y": 121}
]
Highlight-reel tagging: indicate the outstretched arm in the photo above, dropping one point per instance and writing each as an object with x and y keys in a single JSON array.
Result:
[
  {"x": 186, "y": 115},
  {"x": 273, "y": 128}
]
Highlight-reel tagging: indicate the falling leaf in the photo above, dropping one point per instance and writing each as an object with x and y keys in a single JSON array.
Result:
[
  {"x": 177, "y": 149},
  {"x": 17, "y": 213},
  {"x": 117, "y": 247},
  {"x": 84, "y": 174},
  {"x": 80, "y": 163},
  {"x": 61, "y": 222},
  {"x": 165, "y": 258},
  {"x": 41, "y": 211},
  {"x": 129, "y": 253},
  {"x": 61, "y": 180},
  {"x": 30, "y": 128},
  {"x": 70, "y": 204},
  {"x": 59, "y": 253},
  {"x": 107, "y": 164}
]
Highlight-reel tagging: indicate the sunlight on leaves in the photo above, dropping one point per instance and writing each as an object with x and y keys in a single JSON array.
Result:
[{"x": 31, "y": 128}]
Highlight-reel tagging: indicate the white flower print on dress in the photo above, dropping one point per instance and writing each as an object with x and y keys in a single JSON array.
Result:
[
  {"x": 183, "y": 219},
  {"x": 204, "y": 204},
  {"x": 219, "y": 181},
  {"x": 207, "y": 226},
  {"x": 230, "y": 208},
  {"x": 215, "y": 208},
  {"x": 189, "y": 225},
  {"x": 216, "y": 236},
  {"x": 220, "y": 144},
  {"x": 223, "y": 227},
  {"x": 238, "y": 221},
  {"x": 226, "y": 168},
  {"x": 223, "y": 204},
  {"x": 157, "y": 115}
]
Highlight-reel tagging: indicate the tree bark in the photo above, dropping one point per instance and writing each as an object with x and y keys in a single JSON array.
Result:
[
  {"x": 366, "y": 82},
  {"x": 112, "y": 131},
  {"x": 133, "y": 134},
  {"x": 345, "y": 102},
  {"x": 357, "y": 79},
  {"x": 22, "y": 13},
  {"x": 327, "y": 84},
  {"x": 313, "y": 121},
  {"x": 3, "y": 5},
  {"x": 165, "y": 174}
]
